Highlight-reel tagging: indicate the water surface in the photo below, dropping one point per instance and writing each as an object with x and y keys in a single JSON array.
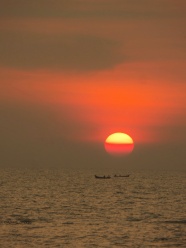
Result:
[{"x": 65, "y": 208}]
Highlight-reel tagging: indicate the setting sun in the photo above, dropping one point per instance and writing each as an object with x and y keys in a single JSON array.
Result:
[{"x": 119, "y": 144}]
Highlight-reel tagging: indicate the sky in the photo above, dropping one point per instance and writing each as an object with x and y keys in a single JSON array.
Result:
[{"x": 73, "y": 72}]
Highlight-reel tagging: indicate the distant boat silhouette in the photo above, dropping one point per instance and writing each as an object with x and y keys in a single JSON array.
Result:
[
  {"x": 122, "y": 175},
  {"x": 102, "y": 177}
]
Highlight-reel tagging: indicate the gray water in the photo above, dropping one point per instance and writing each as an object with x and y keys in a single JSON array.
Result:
[{"x": 61, "y": 208}]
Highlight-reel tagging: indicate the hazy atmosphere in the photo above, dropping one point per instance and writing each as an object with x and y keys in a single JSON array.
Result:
[
  {"x": 92, "y": 123},
  {"x": 73, "y": 72}
]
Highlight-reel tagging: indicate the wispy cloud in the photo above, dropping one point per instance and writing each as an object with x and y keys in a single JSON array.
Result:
[
  {"x": 60, "y": 51},
  {"x": 93, "y": 8}
]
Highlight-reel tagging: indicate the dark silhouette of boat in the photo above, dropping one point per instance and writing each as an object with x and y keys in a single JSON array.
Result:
[
  {"x": 122, "y": 175},
  {"x": 102, "y": 177}
]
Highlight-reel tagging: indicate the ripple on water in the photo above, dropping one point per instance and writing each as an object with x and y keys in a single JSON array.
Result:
[{"x": 50, "y": 209}]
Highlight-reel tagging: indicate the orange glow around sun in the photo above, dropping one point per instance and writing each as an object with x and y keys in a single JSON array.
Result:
[
  {"x": 119, "y": 144},
  {"x": 99, "y": 103}
]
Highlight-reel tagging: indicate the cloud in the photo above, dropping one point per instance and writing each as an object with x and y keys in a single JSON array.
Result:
[
  {"x": 92, "y": 8},
  {"x": 60, "y": 51}
]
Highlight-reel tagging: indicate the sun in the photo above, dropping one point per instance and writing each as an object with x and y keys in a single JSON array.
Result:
[{"x": 119, "y": 144}]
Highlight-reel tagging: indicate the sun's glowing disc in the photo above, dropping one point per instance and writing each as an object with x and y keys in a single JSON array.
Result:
[{"x": 119, "y": 144}]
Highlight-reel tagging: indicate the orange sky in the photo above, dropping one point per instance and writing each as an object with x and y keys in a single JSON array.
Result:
[
  {"x": 96, "y": 68},
  {"x": 106, "y": 101}
]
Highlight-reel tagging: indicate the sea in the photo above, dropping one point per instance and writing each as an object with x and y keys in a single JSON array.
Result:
[{"x": 71, "y": 208}]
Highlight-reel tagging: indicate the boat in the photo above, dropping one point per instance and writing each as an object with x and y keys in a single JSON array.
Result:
[
  {"x": 102, "y": 177},
  {"x": 122, "y": 175}
]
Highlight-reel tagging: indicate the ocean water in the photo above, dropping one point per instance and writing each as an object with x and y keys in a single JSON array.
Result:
[{"x": 70, "y": 208}]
